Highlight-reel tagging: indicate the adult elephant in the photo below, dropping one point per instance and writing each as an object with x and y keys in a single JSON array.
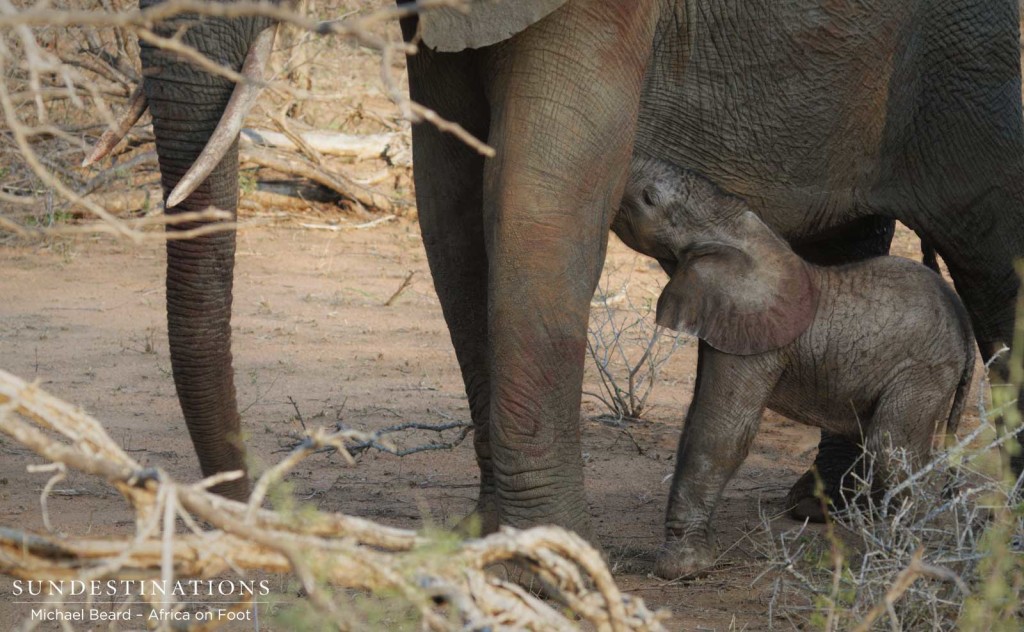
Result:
[{"x": 831, "y": 119}]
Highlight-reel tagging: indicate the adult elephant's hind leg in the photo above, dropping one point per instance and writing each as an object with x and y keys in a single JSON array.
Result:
[
  {"x": 564, "y": 97},
  {"x": 448, "y": 176},
  {"x": 955, "y": 161}
]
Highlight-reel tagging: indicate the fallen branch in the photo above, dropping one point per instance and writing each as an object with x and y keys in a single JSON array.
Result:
[
  {"x": 296, "y": 165},
  {"x": 447, "y": 587},
  {"x": 361, "y": 147},
  {"x": 340, "y": 227}
]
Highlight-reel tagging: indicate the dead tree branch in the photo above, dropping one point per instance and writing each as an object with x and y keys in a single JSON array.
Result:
[{"x": 449, "y": 589}]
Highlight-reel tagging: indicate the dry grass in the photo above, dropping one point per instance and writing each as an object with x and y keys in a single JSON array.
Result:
[{"x": 943, "y": 550}]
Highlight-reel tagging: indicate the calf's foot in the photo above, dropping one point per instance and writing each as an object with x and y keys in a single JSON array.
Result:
[{"x": 683, "y": 558}]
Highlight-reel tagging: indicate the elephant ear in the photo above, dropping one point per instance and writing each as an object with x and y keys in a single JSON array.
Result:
[
  {"x": 745, "y": 293},
  {"x": 486, "y": 22}
]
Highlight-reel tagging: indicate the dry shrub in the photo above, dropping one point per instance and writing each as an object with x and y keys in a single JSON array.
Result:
[
  {"x": 67, "y": 68},
  {"x": 628, "y": 350},
  {"x": 942, "y": 550}
]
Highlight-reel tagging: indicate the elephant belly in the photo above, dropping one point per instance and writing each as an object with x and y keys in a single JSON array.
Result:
[
  {"x": 808, "y": 403},
  {"x": 782, "y": 103}
]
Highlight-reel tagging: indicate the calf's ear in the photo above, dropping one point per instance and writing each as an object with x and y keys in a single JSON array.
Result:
[{"x": 745, "y": 292}]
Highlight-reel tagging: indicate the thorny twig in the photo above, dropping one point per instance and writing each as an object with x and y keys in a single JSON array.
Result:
[
  {"x": 374, "y": 438},
  {"x": 614, "y": 336}
]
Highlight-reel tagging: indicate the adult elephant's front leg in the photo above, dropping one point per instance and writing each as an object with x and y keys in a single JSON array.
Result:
[
  {"x": 564, "y": 96},
  {"x": 449, "y": 198}
]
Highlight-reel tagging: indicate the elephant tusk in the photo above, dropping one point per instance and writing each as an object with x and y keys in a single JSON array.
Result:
[
  {"x": 136, "y": 106},
  {"x": 242, "y": 100}
]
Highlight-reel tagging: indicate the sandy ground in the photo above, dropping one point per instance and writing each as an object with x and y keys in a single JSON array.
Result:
[{"x": 86, "y": 319}]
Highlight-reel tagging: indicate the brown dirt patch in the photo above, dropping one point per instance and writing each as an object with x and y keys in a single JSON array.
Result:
[{"x": 86, "y": 319}]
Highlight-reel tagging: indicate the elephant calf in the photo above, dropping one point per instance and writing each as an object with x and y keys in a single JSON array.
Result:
[{"x": 880, "y": 351}]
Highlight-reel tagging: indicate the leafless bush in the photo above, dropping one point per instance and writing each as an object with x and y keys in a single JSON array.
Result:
[
  {"x": 941, "y": 550},
  {"x": 628, "y": 349}
]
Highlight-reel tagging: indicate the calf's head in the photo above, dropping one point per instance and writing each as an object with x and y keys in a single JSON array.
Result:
[{"x": 733, "y": 282}]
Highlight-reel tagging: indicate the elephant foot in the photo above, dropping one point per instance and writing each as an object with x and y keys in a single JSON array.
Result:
[
  {"x": 837, "y": 459},
  {"x": 519, "y": 573},
  {"x": 234, "y": 490},
  {"x": 684, "y": 559},
  {"x": 804, "y": 503},
  {"x": 567, "y": 510},
  {"x": 483, "y": 520}
]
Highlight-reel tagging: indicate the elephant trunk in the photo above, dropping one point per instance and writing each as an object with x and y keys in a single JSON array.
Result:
[
  {"x": 200, "y": 273},
  {"x": 186, "y": 104}
]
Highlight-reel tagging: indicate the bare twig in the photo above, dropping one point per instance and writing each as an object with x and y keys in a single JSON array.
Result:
[
  {"x": 401, "y": 288},
  {"x": 628, "y": 351},
  {"x": 917, "y": 568}
]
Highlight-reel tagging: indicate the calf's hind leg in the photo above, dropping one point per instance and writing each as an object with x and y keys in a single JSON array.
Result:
[{"x": 899, "y": 436}]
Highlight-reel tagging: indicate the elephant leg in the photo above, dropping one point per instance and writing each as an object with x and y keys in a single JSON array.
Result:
[
  {"x": 981, "y": 242},
  {"x": 564, "y": 96},
  {"x": 728, "y": 401},
  {"x": 449, "y": 179},
  {"x": 899, "y": 435},
  {"x": 954, "y": 163},
  {"x": 985, "y": 276},
  {"x": 837, "y": 456}
]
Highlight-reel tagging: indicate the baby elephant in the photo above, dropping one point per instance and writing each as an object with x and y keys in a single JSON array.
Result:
[{"x": 879, "y": 351}]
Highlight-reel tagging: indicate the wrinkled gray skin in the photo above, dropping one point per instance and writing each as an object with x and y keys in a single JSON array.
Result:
[
  {"x": 831, "y": 119},
  {"x": 879, "y": 351}
]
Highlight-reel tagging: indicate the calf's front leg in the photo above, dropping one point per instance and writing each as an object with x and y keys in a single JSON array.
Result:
[{"x": 728, "y": 401}]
